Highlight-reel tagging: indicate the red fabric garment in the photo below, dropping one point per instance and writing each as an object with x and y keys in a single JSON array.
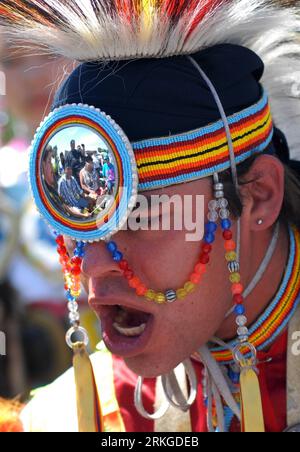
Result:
[{"x": 272, "y": 380}]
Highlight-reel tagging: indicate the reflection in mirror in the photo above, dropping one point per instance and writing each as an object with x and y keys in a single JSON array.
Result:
[{"x": 79, "y": 173}]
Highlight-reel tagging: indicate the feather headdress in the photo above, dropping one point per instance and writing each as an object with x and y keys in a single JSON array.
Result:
[{"x": 91, "y": 30}]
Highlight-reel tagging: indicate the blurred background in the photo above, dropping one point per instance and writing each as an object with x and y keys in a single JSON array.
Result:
[{"x": 32, "y": 306}]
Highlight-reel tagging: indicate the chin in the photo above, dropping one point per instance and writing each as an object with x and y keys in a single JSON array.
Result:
[{"x": 146, "y": 367}]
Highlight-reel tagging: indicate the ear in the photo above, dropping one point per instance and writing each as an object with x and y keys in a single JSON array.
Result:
[{"x": 262, "y": 191}]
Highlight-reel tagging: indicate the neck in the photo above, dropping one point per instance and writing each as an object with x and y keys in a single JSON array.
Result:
[{"x": 267, "y": 287}]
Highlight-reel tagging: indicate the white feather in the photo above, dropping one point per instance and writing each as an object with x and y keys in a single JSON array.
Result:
[{"x": 261, "y": 25}]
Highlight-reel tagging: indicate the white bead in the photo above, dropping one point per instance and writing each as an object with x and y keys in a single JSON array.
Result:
[
  {"x": 219, "y": 187},
  {"x": 213, "y": 204},
  {"x": 212, "y": 216},
  {"x": 73, "y": 306},
  {"x": 224, "y": 214},
  {"x": 219, "y": 194},
  {"x": 74, "y": 316},
  {"x": 241, "y": 320},
  {"x": 243, "y": 331},
  {"x": 223, "y": 203}
]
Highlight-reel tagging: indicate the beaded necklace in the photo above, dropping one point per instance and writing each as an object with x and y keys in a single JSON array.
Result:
[{"x": 279, "y": 312}]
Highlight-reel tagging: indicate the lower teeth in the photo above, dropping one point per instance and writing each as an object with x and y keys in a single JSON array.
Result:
[{"x": 130, "y": 332}]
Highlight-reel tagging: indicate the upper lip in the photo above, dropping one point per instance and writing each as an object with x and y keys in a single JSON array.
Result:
[{"x": 101, "y": 303}]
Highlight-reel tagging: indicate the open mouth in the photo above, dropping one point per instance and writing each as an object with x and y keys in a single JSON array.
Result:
[{"x": 125, "y": 331}]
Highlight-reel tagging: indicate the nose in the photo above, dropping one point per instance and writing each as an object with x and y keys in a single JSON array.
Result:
[{"x": 98, "y": 262}]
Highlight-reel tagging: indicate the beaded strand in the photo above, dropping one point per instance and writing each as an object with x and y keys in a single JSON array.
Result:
[{"x": 71, "y": 268}]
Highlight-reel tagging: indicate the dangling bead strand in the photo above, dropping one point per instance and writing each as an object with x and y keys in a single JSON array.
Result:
[
  {"x": 237, "y": 288},
  {"x": 71, "y": 268}
]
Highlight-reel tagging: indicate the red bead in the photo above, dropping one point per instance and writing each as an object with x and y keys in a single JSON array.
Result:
[
  {"x": 195, "y": 278},
  {"x": 200, "y": 269},
  {"x": 76, "y": 271},
  {"x": 134, "y": 282},
  {"x": 238, "y": 298},
  {"x": 128, "y": 274},
  {"x": 123, "y": 265},
  {"x": 227, "y": 234},
  {"x": 60, "y": 240},
  {"x": 77, "y": 261},
  {"x": 204, "y": 258},
  {"x": 141, "y": 290},
  {"x": 230, "y": 245},
  {"x": 237, "y": 288},
  {"x": 206, "y": 248},
  {"x": 62, "y": 250}
]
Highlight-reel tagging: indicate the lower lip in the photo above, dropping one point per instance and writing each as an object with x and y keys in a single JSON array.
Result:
[{"x": 122, "y": 345}]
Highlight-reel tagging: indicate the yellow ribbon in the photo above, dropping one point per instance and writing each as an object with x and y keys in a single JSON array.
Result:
[
  {"x": 251, "y": 404},
  {"x": 90, "y": 419}
]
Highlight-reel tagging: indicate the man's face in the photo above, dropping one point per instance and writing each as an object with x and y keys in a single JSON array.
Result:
[
  {"x": 90, "y": 166},
  {"x": 69, "y": 173},
  {"x": 72, "y": 144},
  {"x": 162, "y": 260},
  {"x": 48, "y": 170}
]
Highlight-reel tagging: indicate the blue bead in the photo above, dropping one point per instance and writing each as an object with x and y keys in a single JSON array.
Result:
[
  {"x": 117, "y": 256},
  {"x": 69, "y": 296},
  {"x": 239, "y": 309},
  {"x": 79, "y": 253},
  {"x": 226, "y": 224},
  {"x": 209, "y": 238},
  {"x": 211, "y": 227},
  {"x": 112, "y": 247},
  {"x": 80, "y": 245}
]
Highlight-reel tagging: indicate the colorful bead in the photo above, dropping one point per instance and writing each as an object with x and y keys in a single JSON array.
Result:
[
  {"x": 160, "y": 298},
  {"x": 241, "y": 320},
  {"x": 231, "y": 256},
  {"x": 237, "y": 288},
  {"x": 233, "y": 267},
  {"x": 123, "y": 265},
  {"x": 200, "y": 268},
  {"x": 227, "y": 234},
  {"x": 181, "y": 294},
  {"x": 206, "y": 248},
  {"x": 239, "y": 309},
  {"x": 212, "y": 216},
  {"x": 195, "y": 278},
  {"x": 224, "y": 214},
  {"x": 204, "y": 258},
  {"x": 209, "y": 238},
  {"x": 171, "y": 296},
  {"x": 112, "y": 247},
  {"x": 235, "y": 278},
  {"x": 189, "y": 287},
  {"x": 211, "y": 227},
  {"x": 229, "y": 245},
  {"x": 117, "y": 256},
  {"x": 141, "y": 290},
  {"x": 238, "y": 299},
  {"x": 150, "y": 294},
  {"x": 226, "y": 224},
  {"x": 134, "y": 282}
]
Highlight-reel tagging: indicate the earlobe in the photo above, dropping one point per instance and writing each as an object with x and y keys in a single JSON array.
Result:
[{"x": 264, "y": 186}]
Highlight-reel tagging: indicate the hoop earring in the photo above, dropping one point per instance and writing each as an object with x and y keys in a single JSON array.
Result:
[
  {"x": 138, "y": 401},
  {"x": 172, "y": 388}
]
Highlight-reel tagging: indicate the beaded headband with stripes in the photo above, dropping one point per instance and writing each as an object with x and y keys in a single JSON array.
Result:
[{"x": 203, "y": 152}]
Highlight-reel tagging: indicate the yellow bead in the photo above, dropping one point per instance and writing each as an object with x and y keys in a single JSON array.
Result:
[
  {"x": 235, "y": 278},
  {"x": 160, "y": 298},
  {"x": 181, "y": 294},
  {"x": 231, "y": 256},
  {"x": 150, "y": 295},
  {"x": 189, "y": 287},
  {"x": 76, "y": 294}
]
